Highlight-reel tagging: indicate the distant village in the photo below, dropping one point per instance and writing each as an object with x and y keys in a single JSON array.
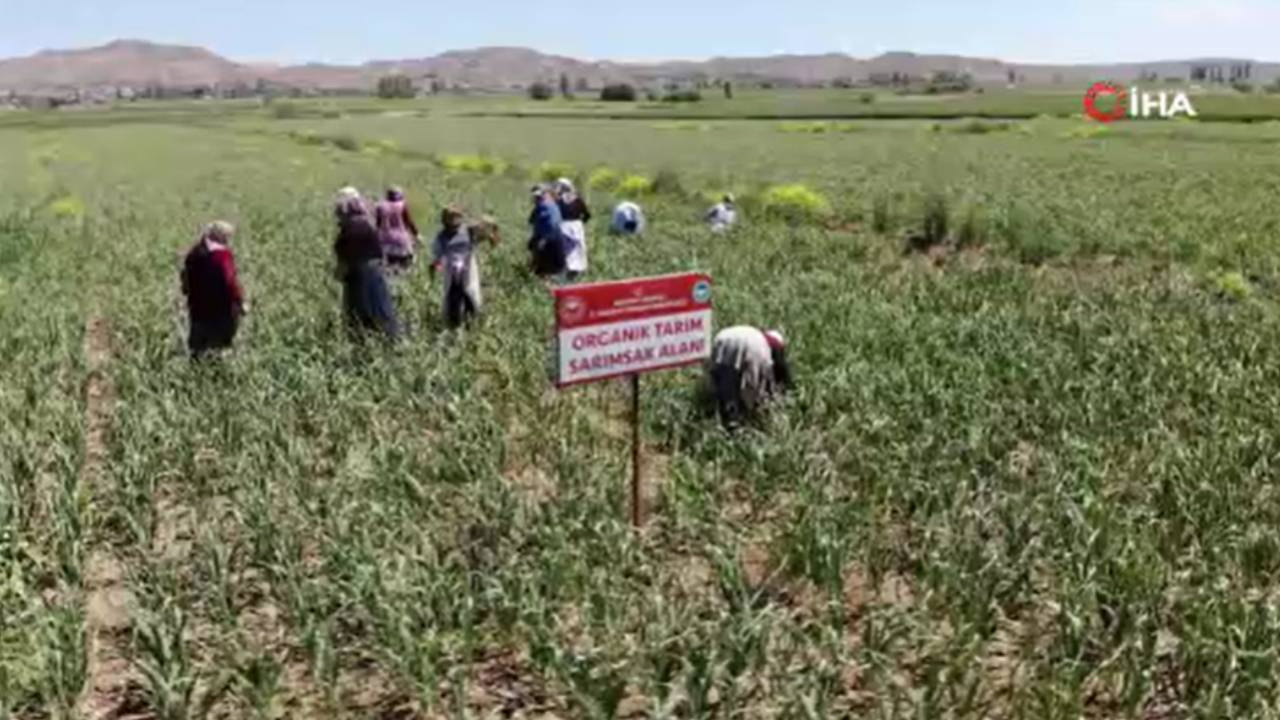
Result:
[{"x": 1236, "y": 75}]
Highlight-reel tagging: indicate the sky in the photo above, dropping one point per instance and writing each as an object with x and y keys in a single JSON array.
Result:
[{"x": 295, "y": 31}]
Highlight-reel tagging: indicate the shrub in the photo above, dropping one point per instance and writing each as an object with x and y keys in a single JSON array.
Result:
[
  {"x": 552, "y": 171},
  {"x": 604, "y": 179},
  {"x": 975, "y": 126},
  {"x": 346, "y": 142},
  {"x": 635, "y": 185},
  {"x": 881, "y": 215},
  {"x": 480, "y": 164},
  {"x": 667, "y": 182},
  {"x": 1090, "y": 130},
  {"x": 816, "y": 128},
  {"x": 381, "y": 147},
  {"x": 541, "y": 91},
  {"x": 1231, "y": 286},
  {"x": 935, "y": 223},
  {"x": 395, "y": 87},
  {"x": 794, "y": 203},
  {"x": 286, "y": 110},
  {"x": 68, "y": 207},
  {"x": 620, "y": 92},
  {"x": 307, "y": 137},
  {"x": 682, "y": 96},
  {"x": 973, "y": 229},
  {"x": 683, "y": 125},
  {"x": 867, "y": 98}
]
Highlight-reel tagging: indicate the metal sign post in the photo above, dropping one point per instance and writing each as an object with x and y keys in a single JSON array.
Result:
[{"x": 637, "y": 506}]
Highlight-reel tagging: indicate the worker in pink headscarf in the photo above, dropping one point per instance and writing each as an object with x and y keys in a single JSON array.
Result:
[{"x": 396, "y": 230}]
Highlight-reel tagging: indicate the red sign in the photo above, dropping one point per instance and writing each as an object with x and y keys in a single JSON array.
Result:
[{"x": 610, "y": 329}]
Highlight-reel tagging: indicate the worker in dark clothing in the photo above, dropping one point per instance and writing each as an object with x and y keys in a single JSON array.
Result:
[
  {"x": 366, "y": 298},
  {"x": 547, "y": 246},
  {"x": 215, "y": 301}
]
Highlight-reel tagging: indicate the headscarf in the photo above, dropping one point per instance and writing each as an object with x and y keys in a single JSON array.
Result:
[
  {"x": 395, "y": 193},
  {"x": 218, "y": 232},
  {"x": 565, "y": 186},
  {"x": 728, "y": 198},
  {"x": 349, "y": 204},
  {"x": 775, "y": 338},
  {"x": 451, "y": 217}
]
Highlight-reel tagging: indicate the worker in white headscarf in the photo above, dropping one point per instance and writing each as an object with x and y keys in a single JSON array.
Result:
[
  {"x": 748, "y": 367},
  {"x": 628, "y": 219},
  {"x": 723, "y": 215},
  {"x": 574, "y": 216}
]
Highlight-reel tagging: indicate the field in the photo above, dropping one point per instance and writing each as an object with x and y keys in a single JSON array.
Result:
[{"x": 1028, "y": 474}]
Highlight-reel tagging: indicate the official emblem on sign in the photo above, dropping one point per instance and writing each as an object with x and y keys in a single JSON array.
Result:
[
  {"x": 702, "y": 291},
  {"x": 572, "y": 309}
]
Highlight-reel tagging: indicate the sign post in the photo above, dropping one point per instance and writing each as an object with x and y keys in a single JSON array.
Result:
[
  {"x": 629, "y": 327},
  {"x": 637, "y": 508}
]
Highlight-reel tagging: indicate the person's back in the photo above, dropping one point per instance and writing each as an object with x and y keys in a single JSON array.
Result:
[
  {"x": 547, "y": 243},
  {"x": 628, "y": 219},
  {"x": 357, "y": 241},
  {"x": 210, "y": 296},
  {"x": 722, "y": 216},
  {"x": 215, "y": 301},
  {"x": 396, "y": 230},
  {"x": 748, "y": 365}
]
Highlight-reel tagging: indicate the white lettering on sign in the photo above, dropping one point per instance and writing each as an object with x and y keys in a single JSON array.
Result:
[{"x": 633, "y": 346}]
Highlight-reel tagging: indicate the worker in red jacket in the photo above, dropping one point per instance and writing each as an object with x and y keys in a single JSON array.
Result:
[{"x": 215, "y": 301}]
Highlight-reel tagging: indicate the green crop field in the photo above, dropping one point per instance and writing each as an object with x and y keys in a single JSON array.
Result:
[{"x": 1030, "y": 473}]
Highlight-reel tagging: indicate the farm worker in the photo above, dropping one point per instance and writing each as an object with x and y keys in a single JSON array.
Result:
[
  {"x": 396, "y": 229},
  {"x": 574, "y": 215},
  {"x": 546, "y": 243},
  {"x": 366, "y": 297},
  {"x": 454, "y": 254},
  {"x": 723, "y": 215},
  {"x": 628, "y": 219},
  {"x": 215, "y": 301},
  {"x": 748, "y": 367}
]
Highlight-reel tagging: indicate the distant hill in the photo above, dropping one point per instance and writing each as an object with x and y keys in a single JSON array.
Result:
[{"x": 138, "y": 64}]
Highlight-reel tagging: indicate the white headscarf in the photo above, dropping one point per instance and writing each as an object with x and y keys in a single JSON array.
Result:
[
  {"x": 565, "y": 186},
  {"x": 217, "y": 233}
]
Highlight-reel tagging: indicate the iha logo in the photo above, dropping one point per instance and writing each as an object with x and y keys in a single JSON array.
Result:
[{"x": 1134, "y": 103}]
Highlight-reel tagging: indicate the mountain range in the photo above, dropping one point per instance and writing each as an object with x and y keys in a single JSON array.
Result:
[{"x": 139, "y": 64}]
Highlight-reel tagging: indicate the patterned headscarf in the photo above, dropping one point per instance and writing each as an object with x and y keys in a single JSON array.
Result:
[
  {"x": 218, "y": 232},
  {"x": 349, "y": 203}
]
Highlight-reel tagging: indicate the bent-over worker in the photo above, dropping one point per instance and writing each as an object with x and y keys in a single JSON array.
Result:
[{"x": 748, "y": 367}]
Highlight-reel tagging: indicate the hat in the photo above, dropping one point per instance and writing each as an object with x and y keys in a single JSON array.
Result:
[{"x": 775, "y": 338}]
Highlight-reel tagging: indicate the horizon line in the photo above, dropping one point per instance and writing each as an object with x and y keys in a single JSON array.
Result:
[{"x": 632, "y": 61}]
